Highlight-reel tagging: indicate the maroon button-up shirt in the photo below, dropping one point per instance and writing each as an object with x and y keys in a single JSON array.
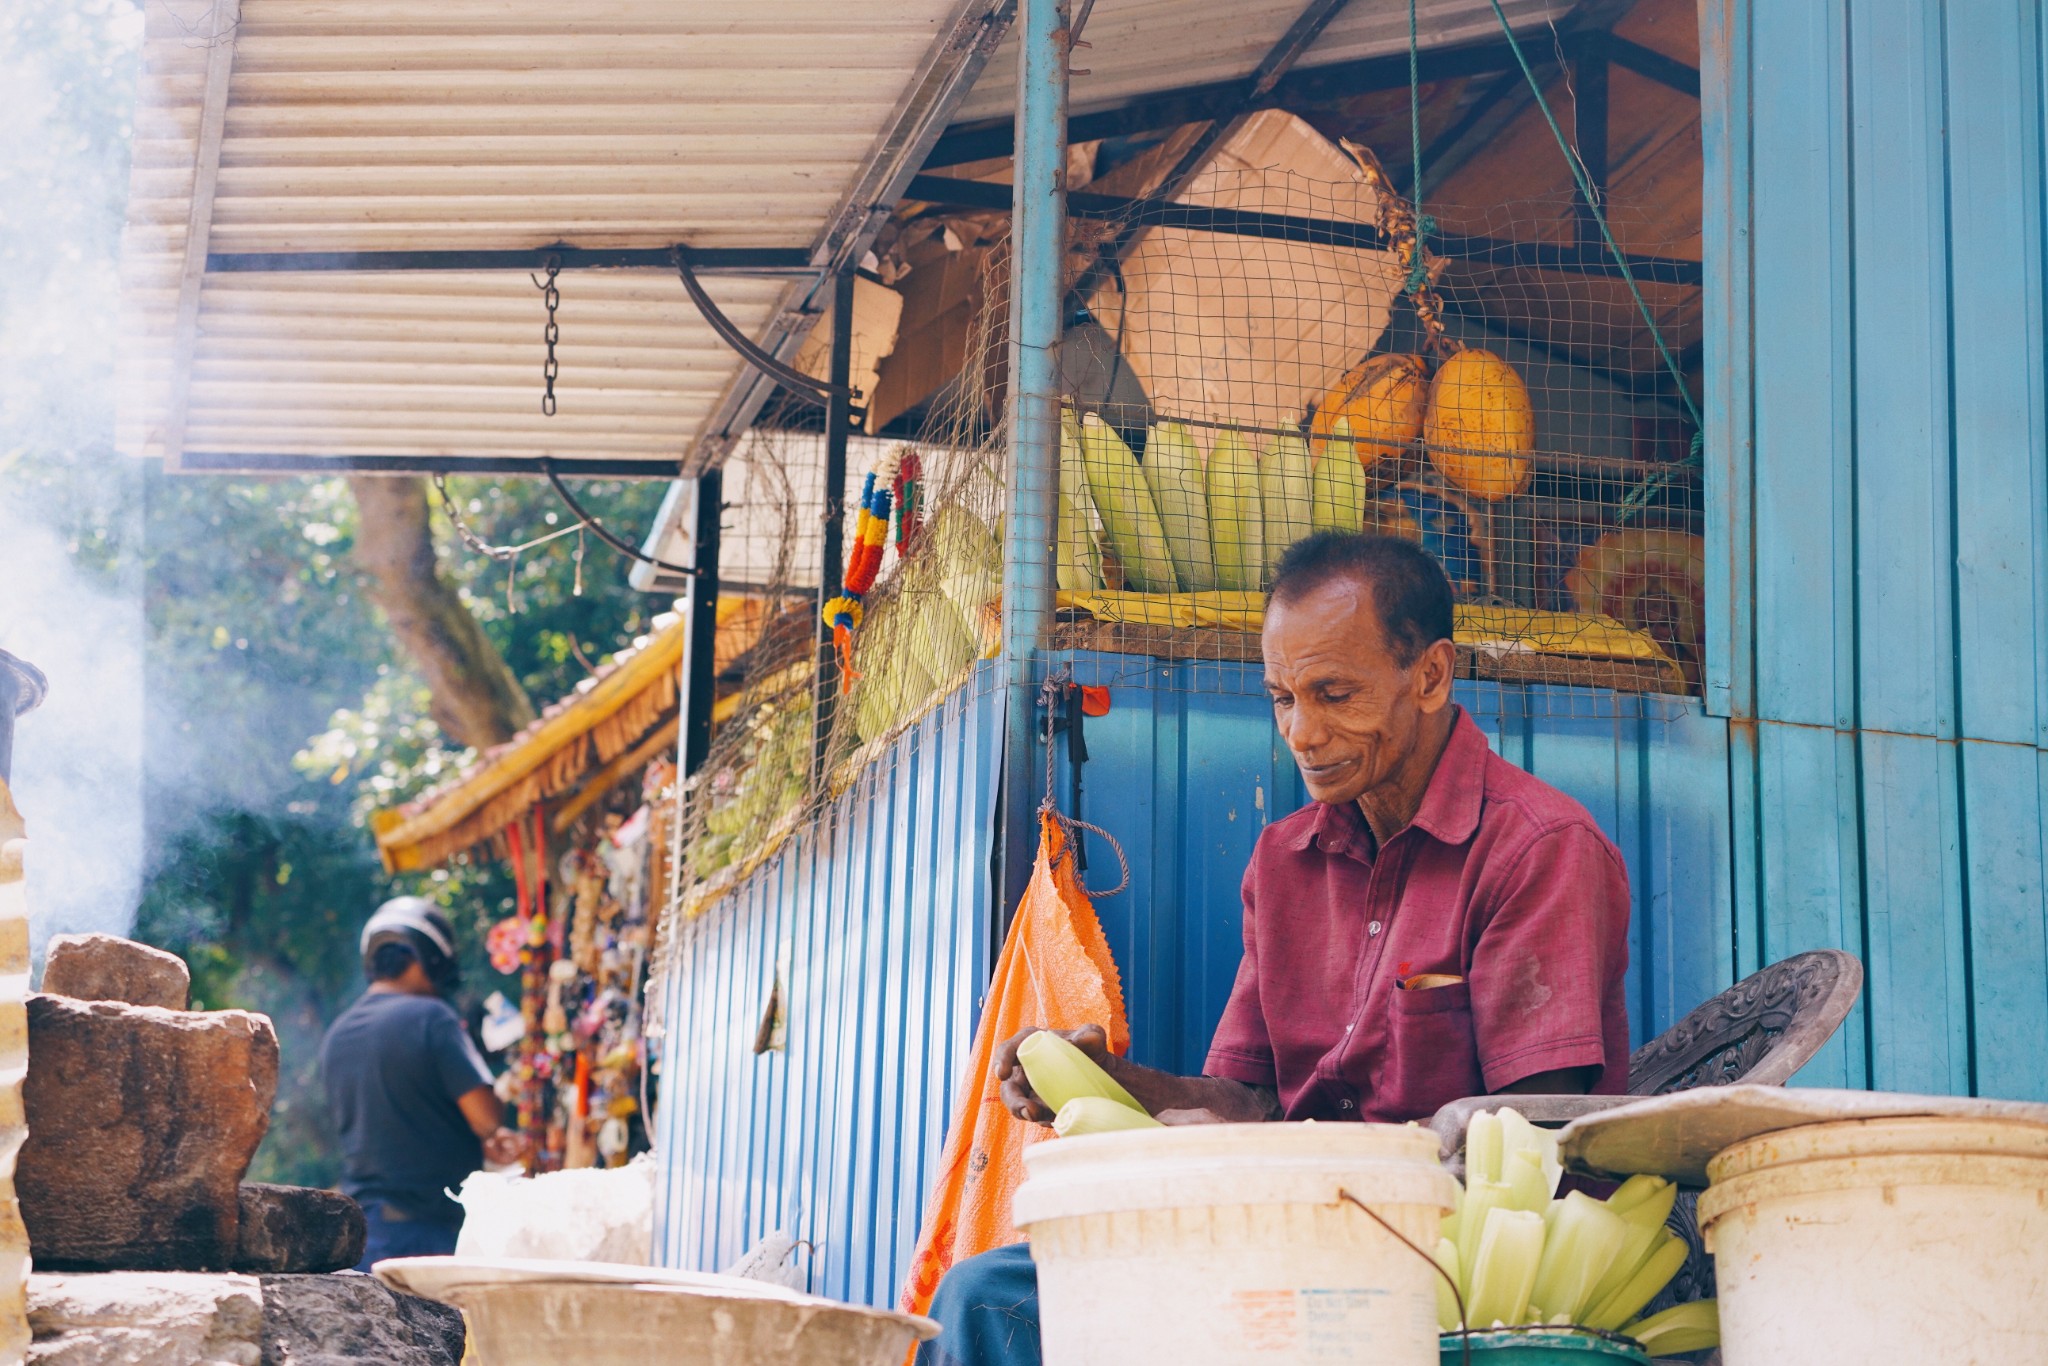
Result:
[{"x": 1500, "y": 879}]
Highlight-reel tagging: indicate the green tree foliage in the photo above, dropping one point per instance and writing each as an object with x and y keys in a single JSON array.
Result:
[{"x": 289, "y": 716}]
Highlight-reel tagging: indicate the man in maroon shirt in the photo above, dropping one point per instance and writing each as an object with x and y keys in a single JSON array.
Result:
[{"x": 1435, "y": 924}]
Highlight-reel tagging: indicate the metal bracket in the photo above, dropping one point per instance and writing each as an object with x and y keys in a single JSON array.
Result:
[{"x": 751, "y": 352}]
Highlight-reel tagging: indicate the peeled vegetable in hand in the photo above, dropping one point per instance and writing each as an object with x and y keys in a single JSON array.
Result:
[
  {"x": 1481, "y": 428},
  {"x": 1085, "y": 1115},
  {"x": 1380, "y": 402},
  {"x": 1058, "y": 1072}
]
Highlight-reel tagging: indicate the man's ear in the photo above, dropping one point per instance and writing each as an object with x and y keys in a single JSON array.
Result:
[{"x": 1434, "y": 670}]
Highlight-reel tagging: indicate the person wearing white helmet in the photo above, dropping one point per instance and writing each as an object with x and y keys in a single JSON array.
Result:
[{"x": 407, "y": 1088}]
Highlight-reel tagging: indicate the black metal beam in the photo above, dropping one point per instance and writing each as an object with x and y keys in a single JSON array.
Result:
[
  {"x": 1655, "y": 383},
  {"x": 232, "y": 462},
  {"x": 1308, "y": 25},
  {"x": 988, "y": 138},
  {"x": 838, "y": 426},
  {"x": 1509, "y": 99},
  {"x": 1653, "y": 65},
  {"x": 704, "y": 260},
  {"x": 1589, "y": 130},
  {"x": 702, "y": 681},
  {"x": 1453, "y": 146},
  {"x": 984, "y": 195}
]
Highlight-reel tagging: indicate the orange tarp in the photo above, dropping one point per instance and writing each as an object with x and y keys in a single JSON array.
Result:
[{"x": 1055, "y": 970}]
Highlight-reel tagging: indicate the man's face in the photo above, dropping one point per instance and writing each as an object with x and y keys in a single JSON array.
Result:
[{"x": 1345, "y": 705}]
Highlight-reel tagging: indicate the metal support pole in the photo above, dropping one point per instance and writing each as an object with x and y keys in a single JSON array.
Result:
[
  {"x": 1037, "y": 249},
  {"x": 700, "y": 676},
  {"x": 832, "y": 568}
]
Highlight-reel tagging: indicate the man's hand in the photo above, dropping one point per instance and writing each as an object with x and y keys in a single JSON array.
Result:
[
  {"x": 1169, "y": 1099},
  {"x": 1018, "y": 1097},
  {"x": 502, "y": 1148}
]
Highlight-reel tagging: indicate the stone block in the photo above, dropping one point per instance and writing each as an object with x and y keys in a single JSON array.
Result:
[
  {"x": 353, "y": 1320},
  {"x": 14, "y": 964},
  {"x": 297, "y": 1229},
  {"x": 132, "y": 1318},
  {"x": 106, "y": 967},
  {"x": 141, "y": 1123}
]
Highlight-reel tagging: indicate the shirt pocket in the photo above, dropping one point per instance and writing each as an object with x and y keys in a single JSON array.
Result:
[{"x": 1432, "y": 1056}]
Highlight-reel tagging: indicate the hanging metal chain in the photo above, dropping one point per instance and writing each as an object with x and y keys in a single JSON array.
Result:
[
  {"x": 552, "y": 333},
  {"x": 507, "y": 555}
]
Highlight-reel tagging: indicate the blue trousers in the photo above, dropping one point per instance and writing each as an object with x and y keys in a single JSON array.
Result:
[
  {"x": 987, "y": 1308},
  {"x": 403, "y": 1237}
]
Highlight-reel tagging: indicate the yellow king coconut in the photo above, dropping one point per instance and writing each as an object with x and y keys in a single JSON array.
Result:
[
  {"x": 1382, "y": 398},
  {"x": 1480, "y": 429}
]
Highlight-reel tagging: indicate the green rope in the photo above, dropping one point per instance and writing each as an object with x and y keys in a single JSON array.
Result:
[
  {"x": 1418, "y": 265},
  {"x": 1586, "y": 191},
  {"x": 1415, "y": 105},
  {"x": 1637, "y": 499}
]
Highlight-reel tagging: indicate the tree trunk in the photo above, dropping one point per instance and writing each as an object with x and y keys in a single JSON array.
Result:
[{"x": 476, "y": 699}]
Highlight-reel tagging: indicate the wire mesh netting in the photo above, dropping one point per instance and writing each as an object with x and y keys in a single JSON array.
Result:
[
  {"x": 795, "y": 722},
  {"x": 1258, "y": 363},
  {"x": 1259, "y": 355}
]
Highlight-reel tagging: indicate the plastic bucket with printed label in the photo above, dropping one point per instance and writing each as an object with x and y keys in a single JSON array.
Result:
[{"x": 1221, "y": 1244}]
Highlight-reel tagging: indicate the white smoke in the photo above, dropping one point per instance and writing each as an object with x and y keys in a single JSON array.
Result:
[
  {"x": 70, "y": 583},
  {"x": 78, "y": 757}
]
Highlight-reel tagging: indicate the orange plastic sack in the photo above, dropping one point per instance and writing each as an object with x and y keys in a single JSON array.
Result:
[{"x": 1055, "y": 970}]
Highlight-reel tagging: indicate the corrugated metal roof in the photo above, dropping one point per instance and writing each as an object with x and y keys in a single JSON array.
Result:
[
  {"x": 1139, "y": 47},
  {"x": 442, "y": 364},
  {"x": 384, "y": 125}
]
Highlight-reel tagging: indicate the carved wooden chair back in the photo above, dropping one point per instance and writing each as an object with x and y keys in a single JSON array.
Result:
[{"x": 1761, "y": 1030}]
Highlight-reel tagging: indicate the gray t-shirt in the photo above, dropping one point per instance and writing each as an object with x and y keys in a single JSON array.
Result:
[{"x": 394, "y": 1066}]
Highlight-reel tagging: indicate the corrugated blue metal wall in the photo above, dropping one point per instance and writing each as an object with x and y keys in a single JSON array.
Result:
[
  {"x": 877, "y": 922},
  {"x": 883, "y": 912},
  {"x": 1879, "y": 464}
]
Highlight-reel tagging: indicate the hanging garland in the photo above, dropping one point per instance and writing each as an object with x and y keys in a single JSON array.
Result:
[{"x": 891, "y": 485}]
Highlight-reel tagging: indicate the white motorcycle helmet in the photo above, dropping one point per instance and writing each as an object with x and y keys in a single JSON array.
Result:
[{"x": 418, "y": 924}]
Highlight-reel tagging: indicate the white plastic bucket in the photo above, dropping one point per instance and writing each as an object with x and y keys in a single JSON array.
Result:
[
  {"x": 1914, "y": 1240},
  {"x": 1212, "y": 1245}
]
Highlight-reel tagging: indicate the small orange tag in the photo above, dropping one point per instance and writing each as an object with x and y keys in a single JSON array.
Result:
[{"x": 1094, "y": 701}]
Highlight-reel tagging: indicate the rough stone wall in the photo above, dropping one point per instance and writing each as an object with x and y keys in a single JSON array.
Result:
[
  {"x": 185, "y": 1318},
  {"x": 141, "y": 1318}
]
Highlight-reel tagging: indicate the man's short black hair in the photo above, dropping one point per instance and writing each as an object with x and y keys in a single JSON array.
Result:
[
  {"x": 1410, "y": 591},
  {"x": 389, "y": 960}
]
